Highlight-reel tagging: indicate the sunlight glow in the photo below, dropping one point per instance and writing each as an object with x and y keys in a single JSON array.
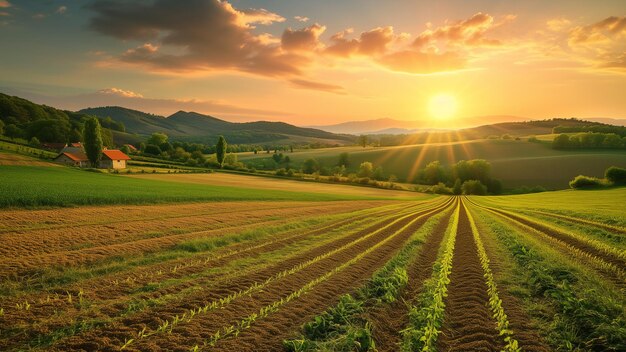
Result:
[{"x": 442, "y": 106}]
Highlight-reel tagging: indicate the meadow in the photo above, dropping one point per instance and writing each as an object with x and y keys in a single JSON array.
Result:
[
  {"x": 36, "y": 186},
  {"x": 538, "y": 272},
  {"x": 515, "y": 162}
]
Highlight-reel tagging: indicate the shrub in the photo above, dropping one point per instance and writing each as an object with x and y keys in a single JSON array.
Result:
[
  {"x": 440, "y": 188},
  {"x": 617, "y": 175},
  {"x": 474, "y": 187},
  {"x": 581, "y": 181}
]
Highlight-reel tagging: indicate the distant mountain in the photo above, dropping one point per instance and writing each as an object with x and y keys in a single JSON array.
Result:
[
  {"x": 192, "y": 126},
  {"x": 607, "y": 120},
  {"x": 368, "y": 126}
]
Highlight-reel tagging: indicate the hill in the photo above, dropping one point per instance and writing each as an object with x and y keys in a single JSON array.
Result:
[
  {"x": 515, "y": 162},
  {"x": 193, "y": 126}
]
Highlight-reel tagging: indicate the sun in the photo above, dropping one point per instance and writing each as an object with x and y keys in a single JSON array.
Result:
[{"x": 442, "y": 106}]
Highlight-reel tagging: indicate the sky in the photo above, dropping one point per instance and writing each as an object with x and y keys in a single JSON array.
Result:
[{"x": 442, "y": 63}]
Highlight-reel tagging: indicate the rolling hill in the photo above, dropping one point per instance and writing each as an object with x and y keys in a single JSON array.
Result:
[{"x": 192, "y": 126}]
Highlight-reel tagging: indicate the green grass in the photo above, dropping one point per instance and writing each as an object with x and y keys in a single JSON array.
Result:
[
  {"x": 30, "y": 186},
  {"x": 516, "y": 163}
]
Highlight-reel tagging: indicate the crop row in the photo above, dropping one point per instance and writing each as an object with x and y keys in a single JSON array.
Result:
[
  {"x": 343, "y": 327},
  {"x": 495, "y": 303},
  {"x": 425, "y": 320},
  {"x": 168, "y": 325},
  {"x": 235, "y": 329}
]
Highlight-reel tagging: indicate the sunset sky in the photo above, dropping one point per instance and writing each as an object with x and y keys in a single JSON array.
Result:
[{"x": 323, "y": 61}]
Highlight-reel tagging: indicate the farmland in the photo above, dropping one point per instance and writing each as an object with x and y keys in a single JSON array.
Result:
[
  {"x": 515, "y": 163},
  {"x": 534, "y": 272}
]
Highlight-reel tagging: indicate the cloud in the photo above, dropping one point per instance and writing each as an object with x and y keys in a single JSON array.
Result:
[
  {"x": 301, "y": 18},
  {"x": 199, "y": 35},
  {"x": 39, "y": 16},
  {"x": 120, "y": 92},
  {"x": 558, "y": 24},
  {"x": 606, "y": 30},
  {"x": 369, "y": 43},
  {"x": 4, "y": 4},
  {"x": 417, "y": 62},
  {"x": 305, "y": 84},
  {"x": 618, "y": 62},
  {"x": 305, "y": 39},
  {"x": 469, "y": 32},
  {"x": 61, "y": 10}
]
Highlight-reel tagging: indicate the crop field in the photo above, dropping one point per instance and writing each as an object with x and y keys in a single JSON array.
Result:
[
  {"x": 538, "y": 272},
  {"x": 515, "y": 163}
]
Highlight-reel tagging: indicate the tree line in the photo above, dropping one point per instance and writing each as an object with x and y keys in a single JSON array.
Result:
[
  {"x": 589, "y": 140},
  {"x": 464, "y": 177}
]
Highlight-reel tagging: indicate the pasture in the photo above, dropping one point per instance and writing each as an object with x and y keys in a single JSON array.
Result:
[
  {"x": 537, "y": 272},
  {"x": 515, "y": 163}
]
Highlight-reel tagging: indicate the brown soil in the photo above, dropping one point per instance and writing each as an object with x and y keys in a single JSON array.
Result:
[
  {"x": 202, "y": 326},
  {"x": 111, "y": 300},
  {"x": 520, "y": 322},
  {"x": 585, "y": 247},
  {"x": 468, "y": 325},
  {"x": 389, "y": 320}
]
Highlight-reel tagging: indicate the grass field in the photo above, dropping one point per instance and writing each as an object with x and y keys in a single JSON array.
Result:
[
  {"x": 59, "y": 186},
  {"x": 539, "y": 272},
  {"x": 516, "y": 163},
  {"x": 268, "y": 183}
]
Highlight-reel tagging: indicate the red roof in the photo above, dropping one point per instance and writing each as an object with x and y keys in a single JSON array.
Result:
[
  {"x": 115, "y": 154},
  {"x": 76, "y": 145},
  {"x": 75, "y": 156}
]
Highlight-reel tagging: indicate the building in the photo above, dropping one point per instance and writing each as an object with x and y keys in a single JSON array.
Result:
[
  {"x": 78, "y": 159},
  {"x": 113, "y": 159}
]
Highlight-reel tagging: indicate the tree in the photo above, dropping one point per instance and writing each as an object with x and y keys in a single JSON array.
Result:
[
  {"x": 157, "y": 139},
  {"x": 561, "y": 142},
  {"x": 152, "y": 150},
  {"x": 1, "y": 127},
  {"x": 379, "y": 174},
  {"x": 433, "y": 173},
  {"x": 310, "y": 166},
  {"x": 34, "y": 142},
  {"x": 363, "y": 140},
  {"x": 366, "y": 169},
  {"x": 343, "y": 160},
  {"x": 220, "y": 150},
  {"x": 125, "y": 149},
  {"x": 13, "y": 131},
  {"x": 457, "y": 187},
  {"x": 617, "y": 175},
  {"x": 474, "y": 187},
  {"x": 93, "y": 140}
]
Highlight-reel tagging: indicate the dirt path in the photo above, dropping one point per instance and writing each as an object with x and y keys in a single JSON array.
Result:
[
  {"x": 468, "y": 325},
  {"x": 389, "y": 320},
  {"x": 113, "y": 335}
]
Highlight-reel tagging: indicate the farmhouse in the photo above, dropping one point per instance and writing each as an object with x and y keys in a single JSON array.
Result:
[
  {"x": 113, "y": 159},
  {"x": 72, "y": 158}
]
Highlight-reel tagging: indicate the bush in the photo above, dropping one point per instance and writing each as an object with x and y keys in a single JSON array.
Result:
[
  {"x": 581, "y": 181},
  {"x": 617, "y": 175},
  {"x": 474, "y": 187},
  {"x": 440, "y": 188}
]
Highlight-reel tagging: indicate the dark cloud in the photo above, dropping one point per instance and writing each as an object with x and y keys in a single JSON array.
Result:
[{"x": 199, "y": 35}]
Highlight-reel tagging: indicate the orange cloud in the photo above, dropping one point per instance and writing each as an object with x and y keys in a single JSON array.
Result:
[
  {"x": 4, "y": 4},
  {"x": 608, "y": 29},
  {"x": 470, "y": 32},
  {"x": 331, "y": 88},
  {"x": 305, "y": 39},
  {"x": 369, "y": 43},
  {"x": 120, "y": 92}
]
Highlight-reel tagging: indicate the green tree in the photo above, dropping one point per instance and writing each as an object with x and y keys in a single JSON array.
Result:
[
  {"x": 433, "y": 173},
  {"x": 366, "y": 169},
  {"x": 1, "y": 127},
  {"x": 343, "y": 160},
  {"x": 561, "y": 142},
  {"x": 310, "y": 166},
  {"x": 125, "y": 149},
  {"x": 379, "y": 174},
  {"x": 474, "y": 187},
  {"x": 457, "y": 187},
  {"x": 220, "y": 150},
  {"x": 617, "y": 175},
  {"x": 34, "y": 142},
  {"x": 157, "y": 139},
  {"x": 363, "y": 140},
  {"x": 93, "y": 141}
]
